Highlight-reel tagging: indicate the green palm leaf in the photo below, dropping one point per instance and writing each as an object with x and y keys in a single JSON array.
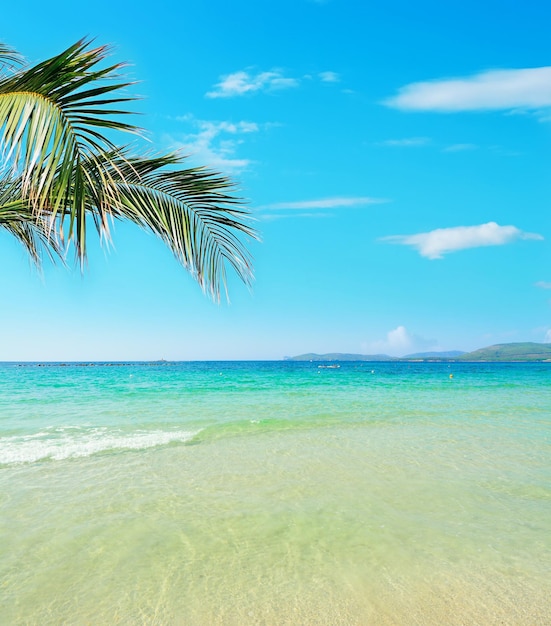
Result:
[
  {"x": 57, "y": 120},
  {"x": 9, "y": 58},
  {"x": 191, "y": 209},
  {"x": 17, "y": 218},
  {"x": 53, "y": 118}
]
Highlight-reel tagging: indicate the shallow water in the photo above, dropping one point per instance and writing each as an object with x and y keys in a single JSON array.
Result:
[{"x": 275, "y": 493}]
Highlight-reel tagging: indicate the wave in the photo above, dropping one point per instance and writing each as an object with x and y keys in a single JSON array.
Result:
[
  {"x": 76, "y": 444},
  {"x": 67, "y": 442}
]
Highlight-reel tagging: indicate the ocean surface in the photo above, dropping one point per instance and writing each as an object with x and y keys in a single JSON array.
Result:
[{"x": 272, "y": 493}]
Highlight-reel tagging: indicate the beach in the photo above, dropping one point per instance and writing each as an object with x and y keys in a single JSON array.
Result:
[{"x": 275, "y": 493}]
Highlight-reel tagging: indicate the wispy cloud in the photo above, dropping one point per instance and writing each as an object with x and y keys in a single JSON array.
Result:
[
  {"x": 319, "y": 208},
  {"x": 244, "y": 83},
  {"x": 543, "y": 284},
  {"x": 493, "y": 90},
  {"x": 329, "y": 77},
  {"x": 215, "y": 143},
  {"x": 436, "y": 243},
  {"x": 418, "y": 142},
  {"x": 407, "y": 142},
  {"x": 326, "y": 203}
]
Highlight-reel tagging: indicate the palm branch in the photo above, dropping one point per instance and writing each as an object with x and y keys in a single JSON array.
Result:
[
  {"x": 191, "y": 209},
  {"x": 9, "y": 58},
  {"x": 53, "y": 122},
  {"x": 54, "y": 119},
  {"x": 17, "y": 218}
]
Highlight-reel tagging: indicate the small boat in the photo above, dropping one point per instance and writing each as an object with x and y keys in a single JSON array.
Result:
[{"x": 330, "y": 367}]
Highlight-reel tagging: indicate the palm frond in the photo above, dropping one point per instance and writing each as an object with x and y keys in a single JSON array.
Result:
[
  {"x": 54, "y": 117},
  {"x": 192, "y": 210},
  {"x": 16, "y": 217},
  {"x": 10, "y": 59},
  {"x": 57, "y": 120}
]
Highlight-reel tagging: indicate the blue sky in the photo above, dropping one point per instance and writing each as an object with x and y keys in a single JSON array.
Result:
[{"x": 396, "y": 156}]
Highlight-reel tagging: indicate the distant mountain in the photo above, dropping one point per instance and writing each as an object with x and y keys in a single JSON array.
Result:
[
  {"x": 450, "y": 354},
  {"x": 510, "y": 352},
  {"x": 340, "y": 356},
  {"x": 538, "y": 352}
]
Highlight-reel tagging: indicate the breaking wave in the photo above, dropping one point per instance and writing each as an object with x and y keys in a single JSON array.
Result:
[{"x": 67, "y": 443}]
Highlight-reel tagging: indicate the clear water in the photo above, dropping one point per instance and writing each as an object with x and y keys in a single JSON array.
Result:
[{"x": 275, "y": 493}]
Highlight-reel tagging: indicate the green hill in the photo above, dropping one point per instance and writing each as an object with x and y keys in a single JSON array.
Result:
[
  {"x": 510, "y": 352},
  {"x": 536, "y": 352},
  {"x": 450, "y": 354}
]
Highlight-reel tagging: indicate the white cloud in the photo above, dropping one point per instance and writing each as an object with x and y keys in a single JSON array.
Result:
[
  {"x": 547, "y": 338},
  {"x": 542, "y": 284},
  {"x": 399, "y": 339},
  {"x": 493, "y": 90},
  {"x": 436, "y": 243},
  {"x": 314, "y": 208},
  {"x": 399, "y": 342},
  {"x": 325, "y": 203},
  {"x": 329, "y": 77},
  {"x": 215, "y": 143},
  {"x": 242, "y": 83},
  {"x": 408, "y": 142}
]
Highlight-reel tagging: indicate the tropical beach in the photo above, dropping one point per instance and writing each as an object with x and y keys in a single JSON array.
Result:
[
  {"x": 275, "y": 493},
  {"x": 275, "y": 335}
]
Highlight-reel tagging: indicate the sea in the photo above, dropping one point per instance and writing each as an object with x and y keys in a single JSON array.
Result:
[{"x": 275, "y": 493}]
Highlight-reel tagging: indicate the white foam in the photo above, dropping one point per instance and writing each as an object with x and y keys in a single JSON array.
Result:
[{"x": 38, "y": 446}]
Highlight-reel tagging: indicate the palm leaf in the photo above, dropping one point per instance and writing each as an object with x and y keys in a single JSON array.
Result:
[
  {"x": 56, "y": 123},
  {"x": 9, "y": 58},
  {"x": 53, "y": 118},
  {"x": 16, "y": 217},
  {"x": 191, "y": 209}
]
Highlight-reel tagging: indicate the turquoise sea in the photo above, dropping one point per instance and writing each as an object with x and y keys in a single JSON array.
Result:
[{"x": 272, "y": 493}]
